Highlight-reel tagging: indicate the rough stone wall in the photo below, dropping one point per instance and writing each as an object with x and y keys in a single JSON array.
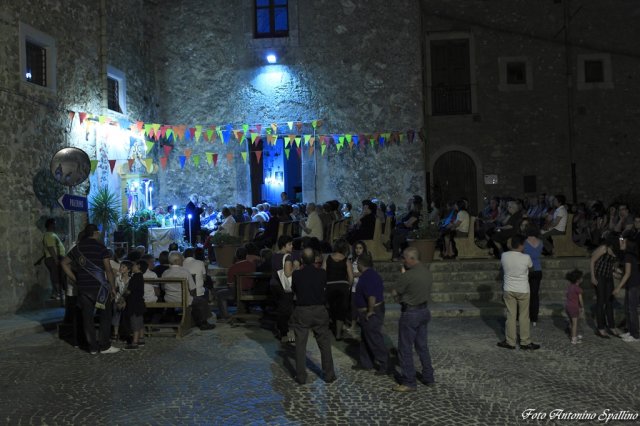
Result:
[
  {"x": 526, "y": 132},
  {"x": 353, "y": 64},
  {"x": 35, "y": 125}
]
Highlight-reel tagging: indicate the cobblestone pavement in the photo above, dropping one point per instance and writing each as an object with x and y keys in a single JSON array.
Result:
[{"x": 241, "y": 375}]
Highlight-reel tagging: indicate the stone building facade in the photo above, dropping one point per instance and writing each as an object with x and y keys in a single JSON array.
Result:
[{"x": 361, "y": 67}]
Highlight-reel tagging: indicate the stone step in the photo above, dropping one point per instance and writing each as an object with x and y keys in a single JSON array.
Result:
[
  {"x": 475, "y": 309},
  {"x": 443, "y": 287}
]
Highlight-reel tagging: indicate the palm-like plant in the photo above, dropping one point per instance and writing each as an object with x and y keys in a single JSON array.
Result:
[{"x": 104, "y": 209}]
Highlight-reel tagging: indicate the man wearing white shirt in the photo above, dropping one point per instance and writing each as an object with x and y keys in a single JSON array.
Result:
[
  {"x": 151, "y": 291},
  {"x": 200, "y": 303},
  {"x": 312, "y": 226},
  {"x": 173, "y": 292},
  {"x": 515, "y": 266},
  {"x": 558, "y": 226}
]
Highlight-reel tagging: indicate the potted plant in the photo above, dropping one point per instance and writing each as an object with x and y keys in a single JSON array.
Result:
[
  {"x": 104, "y": 209},
  {"x": 224, "y": 246},
  {"x": 424, "y": 239}
]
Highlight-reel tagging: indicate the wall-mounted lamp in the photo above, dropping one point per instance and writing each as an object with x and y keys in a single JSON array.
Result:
[{"x": 272, "y": 58}]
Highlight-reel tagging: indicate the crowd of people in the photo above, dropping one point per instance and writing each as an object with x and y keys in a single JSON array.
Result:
[{"x": 332, "y": 288}]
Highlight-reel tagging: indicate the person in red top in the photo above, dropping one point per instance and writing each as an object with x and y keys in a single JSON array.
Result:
[
  {"x": 241, "y": 266},
  {"x": 573, "y": 303}
]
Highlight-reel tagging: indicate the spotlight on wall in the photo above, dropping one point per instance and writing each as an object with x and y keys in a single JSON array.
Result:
[{"x": 272, "y": 58}]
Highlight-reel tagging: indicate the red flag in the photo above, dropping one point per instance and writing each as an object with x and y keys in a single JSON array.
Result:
[
  {"x": 163, "y": 163},
  {"x": 167, "y": 150},
  {"x": 215, "y": 159},
  {"x": 139, "y": 125},
  {"x": 112, "y": 164},
  {"x": 71, "y": 115},
  {"x": 258, "y": 155},
  {"x": 130, "y": 161},
  {"x": 299, "y": 152},
  {"x": 82, "y": 116},
  {"x": 230, "y": 157}
]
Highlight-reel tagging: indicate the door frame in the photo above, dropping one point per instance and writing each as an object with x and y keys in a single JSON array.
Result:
[{"x": 433, "y": 158}]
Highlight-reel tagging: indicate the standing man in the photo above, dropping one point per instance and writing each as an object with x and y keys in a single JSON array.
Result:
[
  {"x": 192, "y": 230},
  {"x": 414, "y": 290},
  {"x": 95, "y": 283},
  {"x": 515, "y": 266},
  {"x": 309, "y": 285},
  {"x": 369, "y": 299},
  {"x": 53, "y": 254},
  {"x": 200, "y": 310}
]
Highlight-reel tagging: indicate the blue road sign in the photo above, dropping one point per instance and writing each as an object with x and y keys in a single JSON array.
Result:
[{"x": 74, "y": 203}]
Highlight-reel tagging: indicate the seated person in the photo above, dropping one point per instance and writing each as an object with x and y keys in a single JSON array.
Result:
[
  {"x": 200, "y": 305},
  {"x": 151, "y": 291},
  {"x": 312, "y": 226},
  {"x": 225, "y": 294},
  {"x": 499, "y": 237},
  {"x": 268, "y": 237},
  {"x": 458, "y": 228},
  {"x": 173, "y": 291},
  {"x": 407, "y": 223},
  {"x": 364, "y": 228},
  {"x": 558, "y": 223}
]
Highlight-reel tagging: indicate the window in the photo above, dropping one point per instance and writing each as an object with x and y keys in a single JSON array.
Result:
[
  {"x": 116, "y": 90},
  {"x": 36, "y": 71},
  {"x": 37, "y": 58},
  {"x": 450, "y": 77},
  {"x": 515, "y": 73},
  {"x": 594, "y": 71},
  {"x": 271, "y": 18}
]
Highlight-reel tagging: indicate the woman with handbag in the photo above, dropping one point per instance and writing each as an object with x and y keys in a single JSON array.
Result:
[{"x": 282, "y": 267}]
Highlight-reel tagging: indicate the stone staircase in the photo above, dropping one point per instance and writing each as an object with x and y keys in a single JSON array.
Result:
[{"x": 474, "y": 287}]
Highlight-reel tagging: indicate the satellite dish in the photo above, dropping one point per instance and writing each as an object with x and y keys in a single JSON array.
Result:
[{"x": 70, "y": 166}]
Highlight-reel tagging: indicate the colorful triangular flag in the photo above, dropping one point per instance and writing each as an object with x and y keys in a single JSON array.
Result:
[
  {"x": 196, "y": 160},
  {"x": 244, "y": 156},
  {"x": 258, "y": 155},
  {"x": 183, "y": 160}
]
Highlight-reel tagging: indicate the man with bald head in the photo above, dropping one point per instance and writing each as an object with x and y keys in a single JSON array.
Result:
[
  {"x": 309, "y": 284},
  {"x": 413, "y": 289}
]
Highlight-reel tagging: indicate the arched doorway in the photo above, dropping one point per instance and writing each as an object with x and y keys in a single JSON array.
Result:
[{"x": 455, "y": 177}]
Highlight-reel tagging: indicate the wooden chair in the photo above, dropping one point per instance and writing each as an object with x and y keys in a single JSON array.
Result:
[
  {"x": 564, "y": 246},
  {"x": 179, "y": 329},
  {"x": 467, "y": 248},
  {"x": 247, "y": 294}
]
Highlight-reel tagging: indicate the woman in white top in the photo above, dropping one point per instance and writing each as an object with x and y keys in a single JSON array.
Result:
[{"x": 457, "y": 228}]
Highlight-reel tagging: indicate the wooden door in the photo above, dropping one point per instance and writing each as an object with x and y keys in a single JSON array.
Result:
[{"x": 454, "y": 177}]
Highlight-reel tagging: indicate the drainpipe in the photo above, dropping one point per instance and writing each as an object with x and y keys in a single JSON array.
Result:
[
  {"x": 103, "y": 56},
  {"x": 570, "y": 97},
  {"x": 425, "y": 97}
]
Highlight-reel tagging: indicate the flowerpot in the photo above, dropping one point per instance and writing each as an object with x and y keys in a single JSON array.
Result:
[
  {"x": 225, "y": 255},
  {"x": 426, "y": 248}
]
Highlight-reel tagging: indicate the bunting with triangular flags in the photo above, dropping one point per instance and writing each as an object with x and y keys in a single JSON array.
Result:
[
  {"x": 183, "y": 160},
  {"x": 94, "y": 165},
  {"x": 112, "y": 165},
  {"x": 163, "y": 163},
  {"x": 196, "y": 160},
  {"x": 148, "y": 163},
  {"x": 215, "y": 160},
  {"x": 187, "y": 152},
  {"x": 230, "y": 157},
  {"x": 209, "y": 157},
  {"x": 258, "y": 155},
  {"x": 287, "y": 152},
  {"x": 149, "y": 146},
  {"x": 130, "y": 161},
  {"x": 244, "y": 156}
]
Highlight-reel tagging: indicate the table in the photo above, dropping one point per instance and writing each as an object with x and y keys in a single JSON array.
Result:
[{"x": 160, "y": 238}]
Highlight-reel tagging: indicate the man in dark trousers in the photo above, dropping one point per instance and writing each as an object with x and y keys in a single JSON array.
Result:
[
  {"x": 96, "y": 286},
  {"x": 192, "y": 226},
  {"x": 369, "y": 300},
  {"x": 308, "y": 285},
  {"x": 413, "y": 289}
]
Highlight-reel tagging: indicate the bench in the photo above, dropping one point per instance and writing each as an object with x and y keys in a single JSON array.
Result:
[
  {"x": 248, "y": 295},
  {"x": 467, "y": 248},
  {"x": 163, "y": 329},
  {"x": 247, "y": 230},
  {"x": 564, "y": 246}
]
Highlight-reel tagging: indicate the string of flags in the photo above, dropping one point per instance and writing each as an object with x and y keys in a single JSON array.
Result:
[{"x": 296, "y": 136}]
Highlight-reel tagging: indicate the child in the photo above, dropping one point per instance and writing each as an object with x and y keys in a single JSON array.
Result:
[
  {"x": 573, "y": 304},
  {"x": 135, "y": 304},
  {"x": 122, "y": 280}
]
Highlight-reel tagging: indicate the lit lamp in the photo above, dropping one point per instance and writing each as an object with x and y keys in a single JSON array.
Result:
[
  {"x": 189, "y": 216},
  {"x": 150, "y": 198},
  {"x": 272, "y": 58}
]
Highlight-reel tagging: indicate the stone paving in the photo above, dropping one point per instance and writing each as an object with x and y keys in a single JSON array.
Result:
[{"x": 241, "y": 375}]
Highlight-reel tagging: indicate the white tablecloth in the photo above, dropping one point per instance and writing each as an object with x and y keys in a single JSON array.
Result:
[{"x": 160, "y": 238}]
